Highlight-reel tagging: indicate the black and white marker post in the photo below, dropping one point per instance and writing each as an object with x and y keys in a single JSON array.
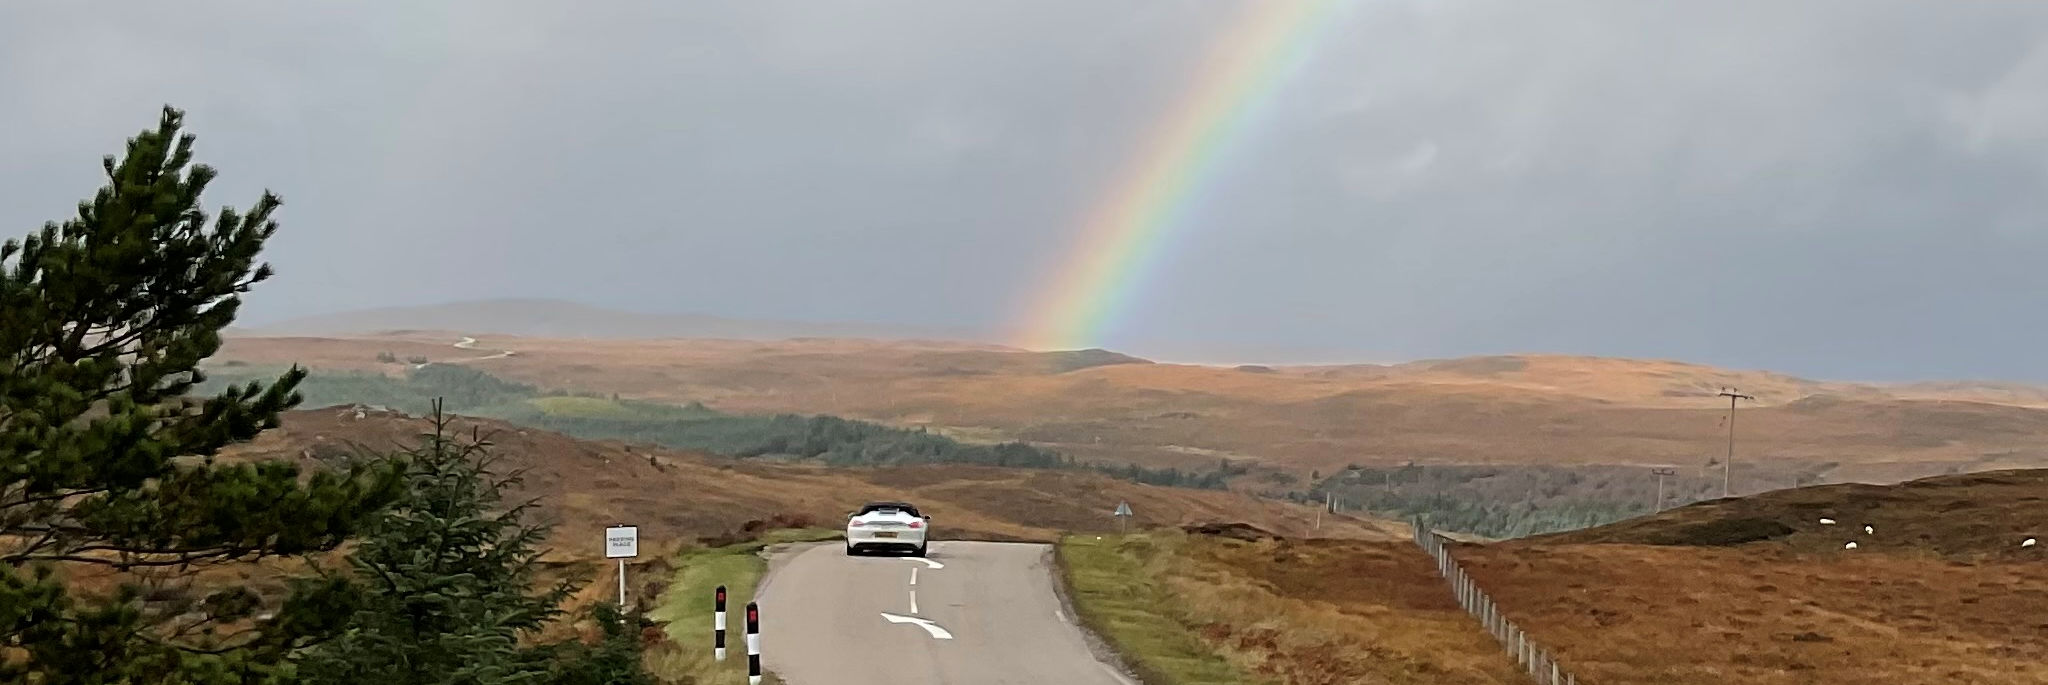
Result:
[
  {"x": 753, "y": 644},
  {"x": 718, "y": 625}
]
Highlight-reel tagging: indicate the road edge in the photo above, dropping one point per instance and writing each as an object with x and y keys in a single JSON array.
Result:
[
  {"x": 777, "y": 556},
  {"x": 1105, "y": 654}
]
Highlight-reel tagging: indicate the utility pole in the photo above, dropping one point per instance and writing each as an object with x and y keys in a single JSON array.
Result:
[
  {"x": 1661, "y": 473},
  {"x": 1728, "y": 467}
]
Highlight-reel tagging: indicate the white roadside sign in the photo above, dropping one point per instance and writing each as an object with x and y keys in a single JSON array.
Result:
[{"x": 622, "y": 542}]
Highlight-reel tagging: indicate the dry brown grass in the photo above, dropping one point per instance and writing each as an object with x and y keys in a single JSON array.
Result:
[
  {"x": 1689, "y": 615},
  {"x": 1758, "y": 590},
  {"x": 1332, "y": 611},
  {"x": 1530, "y": 409},
  {"x": 1314, "y": 612}
]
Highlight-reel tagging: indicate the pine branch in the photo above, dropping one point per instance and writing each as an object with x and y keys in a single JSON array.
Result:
[{"x": 117, "y": 564}]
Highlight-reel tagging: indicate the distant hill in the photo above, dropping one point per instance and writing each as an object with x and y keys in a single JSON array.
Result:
[
  {"x": 560, "y": 319},
  {"x": 1496, "y": 446},
  {"x": 1101, "y": 405},
  {"x": 1976, "y": 514}
]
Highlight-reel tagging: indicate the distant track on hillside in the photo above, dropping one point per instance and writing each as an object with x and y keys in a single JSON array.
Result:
[{"x": 468, "y": 343}]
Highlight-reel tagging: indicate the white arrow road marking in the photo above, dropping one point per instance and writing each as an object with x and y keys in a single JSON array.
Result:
[
  {"x": 928, "y": 626},
  {"x": 927, "y": 562}
]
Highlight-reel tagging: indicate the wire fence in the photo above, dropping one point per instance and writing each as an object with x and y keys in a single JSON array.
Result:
[{"x": 1534, "y": 658}]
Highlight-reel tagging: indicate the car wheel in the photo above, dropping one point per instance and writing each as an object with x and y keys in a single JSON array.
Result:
[
  {"x": 850, "y": 551},
  {"x": 921, "y": 549}
]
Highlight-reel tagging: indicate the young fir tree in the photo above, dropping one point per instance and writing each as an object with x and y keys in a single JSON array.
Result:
[
  {"x": 615, "y": 658},
  {"x": 449, "y": 585},
  {"x": 105, "y": 465}
]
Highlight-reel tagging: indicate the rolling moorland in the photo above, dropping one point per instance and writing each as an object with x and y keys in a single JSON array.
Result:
[
  {"x": 1754, "y": 589},
  {"x": 679, "y": 497},
  {"x": 1499, "y": 446},
  {"x": 1749, "y": 590},
  {"x": 821, "y": 439}
]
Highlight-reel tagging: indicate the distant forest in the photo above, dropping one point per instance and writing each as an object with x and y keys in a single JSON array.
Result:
[
  {"x": 1510, "y": 500},
  {"x": 828, "y": 439}
]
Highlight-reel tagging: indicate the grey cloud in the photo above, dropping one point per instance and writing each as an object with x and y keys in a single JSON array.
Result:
[{"x": 1840, "y": 189}]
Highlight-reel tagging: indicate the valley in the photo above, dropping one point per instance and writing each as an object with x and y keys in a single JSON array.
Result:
[
  {"x": 1501, "y": 410},
  {"x": 1497, "y": 446}
]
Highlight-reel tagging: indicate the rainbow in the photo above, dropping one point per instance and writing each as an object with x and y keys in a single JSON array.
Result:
[{"x": 1124, "y": 233}]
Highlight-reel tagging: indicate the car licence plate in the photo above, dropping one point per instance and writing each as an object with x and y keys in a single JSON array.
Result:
[{"x": 885, "y": 535}]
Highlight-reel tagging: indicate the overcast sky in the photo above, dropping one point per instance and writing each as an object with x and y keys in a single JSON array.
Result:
[{"x": 1848, "y": 189}]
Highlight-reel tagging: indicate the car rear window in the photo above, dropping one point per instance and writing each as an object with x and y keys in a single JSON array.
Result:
[{"x": 888, "y": 509}]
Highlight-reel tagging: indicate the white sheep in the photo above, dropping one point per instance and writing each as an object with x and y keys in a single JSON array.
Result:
[
  {"x": 1827, "y": 522},
  {"x": 1867, "y": 530},
  {"x": 1851, "y": 545},
  {"x": 2029, "y": 542}
]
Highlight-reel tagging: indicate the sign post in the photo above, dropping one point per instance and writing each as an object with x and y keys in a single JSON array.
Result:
[
  {"x": 1123, "y": 517},
  {"x": 622, "y": 542}
]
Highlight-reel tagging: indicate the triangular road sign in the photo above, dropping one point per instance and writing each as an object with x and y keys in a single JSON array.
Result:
[{"x": 1123, "y": 508}]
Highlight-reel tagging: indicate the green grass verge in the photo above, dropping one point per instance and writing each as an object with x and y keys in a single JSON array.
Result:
[
  {"x": 1113, "y": 582},
  {"x": 687, "y": 604}
]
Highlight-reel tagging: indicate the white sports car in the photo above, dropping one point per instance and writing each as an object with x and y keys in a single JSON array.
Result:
[{"x": 887, "y": 526}]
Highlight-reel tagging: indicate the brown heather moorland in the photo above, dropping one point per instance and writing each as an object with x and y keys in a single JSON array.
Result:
[
  {"x": 1101, "y": 405},
  {"x": 677, "y": 497}
]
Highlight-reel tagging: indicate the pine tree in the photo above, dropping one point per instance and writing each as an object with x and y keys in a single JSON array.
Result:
[
  {"x": 615, "y": 659},
  {"x": 448, "y": 578},
  {"x": 106, "y": 465}
]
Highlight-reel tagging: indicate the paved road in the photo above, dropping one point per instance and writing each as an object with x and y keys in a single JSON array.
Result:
[{"x": 980, "y": 613}]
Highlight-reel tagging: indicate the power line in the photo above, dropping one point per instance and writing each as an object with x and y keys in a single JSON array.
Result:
[
  {"x": 1660, "y": 473},
  {"x": 1728, "y": 467}
]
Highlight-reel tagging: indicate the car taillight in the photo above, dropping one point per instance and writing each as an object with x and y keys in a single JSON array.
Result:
[
  {"x": 855, "y": 524},
  {"x": 917, "y": 524}
]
